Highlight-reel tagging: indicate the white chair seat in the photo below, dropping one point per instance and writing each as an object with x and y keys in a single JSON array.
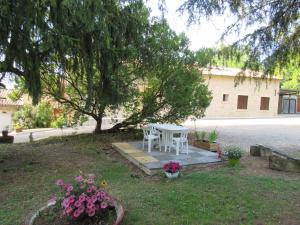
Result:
[
  {"x": 181, "y": 143},
  {"x": 150, "y": 133}
]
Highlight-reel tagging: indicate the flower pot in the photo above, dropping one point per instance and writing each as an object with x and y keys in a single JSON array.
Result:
[
  {"x": 172, "y": 175},
  {"x": 5, "y": 133},
  {"x": 206, "y": 145},
  {"x": 7, "y": 139},
  {"x": 119, "y": 208},
  {"x": 18, "y": 130},
  {"x": 234, "y": 162}
]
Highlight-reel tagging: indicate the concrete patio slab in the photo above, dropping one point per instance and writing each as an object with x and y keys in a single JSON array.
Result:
[{"x": 152, "y": 162}]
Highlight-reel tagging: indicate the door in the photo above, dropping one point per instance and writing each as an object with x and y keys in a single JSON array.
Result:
[
  {"x": 289, "y": 106},
  {"x": 298, "y": 105}
]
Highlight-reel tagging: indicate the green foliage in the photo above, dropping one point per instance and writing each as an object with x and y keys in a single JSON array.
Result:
[
  {"x": 290, "y": 74},
  {"x": 25, "y": 117},
  {"x": 60, "y": 122},
  {"x": 43, "y": 114},
  {"x": 200, "y": 135},
  {"x": 233, "y": 152},
  {"x": 276, "y": 28},
  {"x": 212, "y": 136}
]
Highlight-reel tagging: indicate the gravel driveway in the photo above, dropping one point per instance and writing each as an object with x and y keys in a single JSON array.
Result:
[{"x": 282, "y": 133}]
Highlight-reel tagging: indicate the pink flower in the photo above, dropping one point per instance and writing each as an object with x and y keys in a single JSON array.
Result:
[
  {"x": 94, "y": 198},
  {"x": 90, "y": 181},
  {"x": 76, "y": 214},
  {"x": 72, "y": 199},
  {"x": 59, "y": 182},
  {"x": 92, "y": 176},
  {"x": 90, "y": 205},
  {"x": 70, "y": 188},
  {"x": 103, "y": 205},
  {"x": 66, "y": 203},
  {"x": 91, "y": 212},
  {"x": 82, "y": 186},
  {"x": 94, "y": 188},
  {"x": 82, "y": 197},
  {"x": 77, "y": 204},
  {"x": 79, "y": 178},
  {"x": 69, "y": 210},
  {"x": 81, "y": 209}
]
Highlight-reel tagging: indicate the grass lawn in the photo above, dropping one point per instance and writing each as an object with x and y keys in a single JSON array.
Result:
[{"x": 220, "y": 196}]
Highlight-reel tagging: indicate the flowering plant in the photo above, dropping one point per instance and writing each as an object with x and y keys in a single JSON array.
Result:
[
  {"x": 172, "y": 167},
  {"x": 233, "y": 152},
  {"x": 84, "y": 198}
]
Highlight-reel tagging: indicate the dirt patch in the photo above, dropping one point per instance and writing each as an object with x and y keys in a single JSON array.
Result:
[{"x": 260, "y": 167}]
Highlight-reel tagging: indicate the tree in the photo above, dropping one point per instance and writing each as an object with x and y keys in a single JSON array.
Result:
[
  {"x": 161, "y": 84},
  {"x": 99, "y": 57},
  {"x": 276, "y": 22}
]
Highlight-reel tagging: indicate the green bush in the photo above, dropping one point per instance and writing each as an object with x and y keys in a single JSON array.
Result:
[
  {"x": 43, "y": 115},
  {"x": 212, "y": 136},
  {"x": 233, "y": 152},
  {"x": 59, "y": 122}
]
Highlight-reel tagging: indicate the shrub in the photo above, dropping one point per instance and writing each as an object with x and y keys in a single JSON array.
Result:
[
  {"x": 233, "y": 152},
  {"x": 212, "y": 136}
]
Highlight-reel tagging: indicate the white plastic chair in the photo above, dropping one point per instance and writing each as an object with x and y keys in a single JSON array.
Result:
[
  {"x": 181, "y": 143},
  {"x": 151, "y": 134}
]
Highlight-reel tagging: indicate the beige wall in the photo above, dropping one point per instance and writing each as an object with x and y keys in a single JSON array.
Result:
[
  {"x": 220, "y": 85},
  {"x": 6, "y": 116}
]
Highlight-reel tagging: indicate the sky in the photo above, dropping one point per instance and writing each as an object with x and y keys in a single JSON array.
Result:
[{"x": 206, "y": 34}]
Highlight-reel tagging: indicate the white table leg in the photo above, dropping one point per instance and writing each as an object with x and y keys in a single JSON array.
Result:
[{"x": 149, "y": 145}]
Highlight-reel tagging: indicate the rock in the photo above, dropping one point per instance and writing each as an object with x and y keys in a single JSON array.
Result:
[
  {"x": 279, "y": 161},
  {"x": 260, "y": 150}
]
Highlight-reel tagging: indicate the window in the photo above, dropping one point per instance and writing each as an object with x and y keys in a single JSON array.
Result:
[
  {"x": 242, "y": 102},
  {"x": 264, "y": 103},
  {"x": 225, "y": 97}
]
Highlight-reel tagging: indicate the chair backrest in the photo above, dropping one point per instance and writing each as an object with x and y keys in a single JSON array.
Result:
[
  {"x": 146, "y": 131},
  {"x": 184, "y": 135},
  {"x": 153, "y": 130}
]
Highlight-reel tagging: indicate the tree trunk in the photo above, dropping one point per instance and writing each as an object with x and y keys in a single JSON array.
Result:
[{"x": 98, "y": 125}]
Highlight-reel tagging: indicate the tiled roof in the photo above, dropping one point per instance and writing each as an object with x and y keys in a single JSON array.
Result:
[
  {"x": 232, "y": 72},
  {"x": 6, "y": 101}
]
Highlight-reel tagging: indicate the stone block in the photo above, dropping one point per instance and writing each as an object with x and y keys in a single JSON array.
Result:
[
  {"x": 282, "y": 162},
  {"x": 260, "y": 150}
]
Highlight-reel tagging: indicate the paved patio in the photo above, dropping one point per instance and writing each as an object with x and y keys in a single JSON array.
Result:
[{"x": 153, "y": 162}]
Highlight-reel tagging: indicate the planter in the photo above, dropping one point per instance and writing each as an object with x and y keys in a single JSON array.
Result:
[
  {"x": 172, "y": 175},
  {"x": 5, "y": 133},
  {"x": 206, "y": 145},
  {"x": 7, "y": 139},
  {"x": 119, "y": 209},
  {"x": 234, "y": 162},
  {"x": 18, "y": 130}
]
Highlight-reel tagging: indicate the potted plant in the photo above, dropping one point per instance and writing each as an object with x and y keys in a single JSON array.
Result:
[
  {"x": 18, "y": 128},
  {"x": 233, "y": 154},
  {"x": 172, "y": 169},
  {"x": 5, "y": 131},
  {"x": 206, "y": 140},
  {"x": 80, "y": 203}
]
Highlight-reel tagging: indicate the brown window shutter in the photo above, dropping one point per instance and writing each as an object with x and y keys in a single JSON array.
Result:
[
  {"x": 242, "y": 102},
  {"x": 264, "y": 103}
]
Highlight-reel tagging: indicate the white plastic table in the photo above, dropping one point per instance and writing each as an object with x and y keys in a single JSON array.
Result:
[{"x": 167, "y": 133}]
